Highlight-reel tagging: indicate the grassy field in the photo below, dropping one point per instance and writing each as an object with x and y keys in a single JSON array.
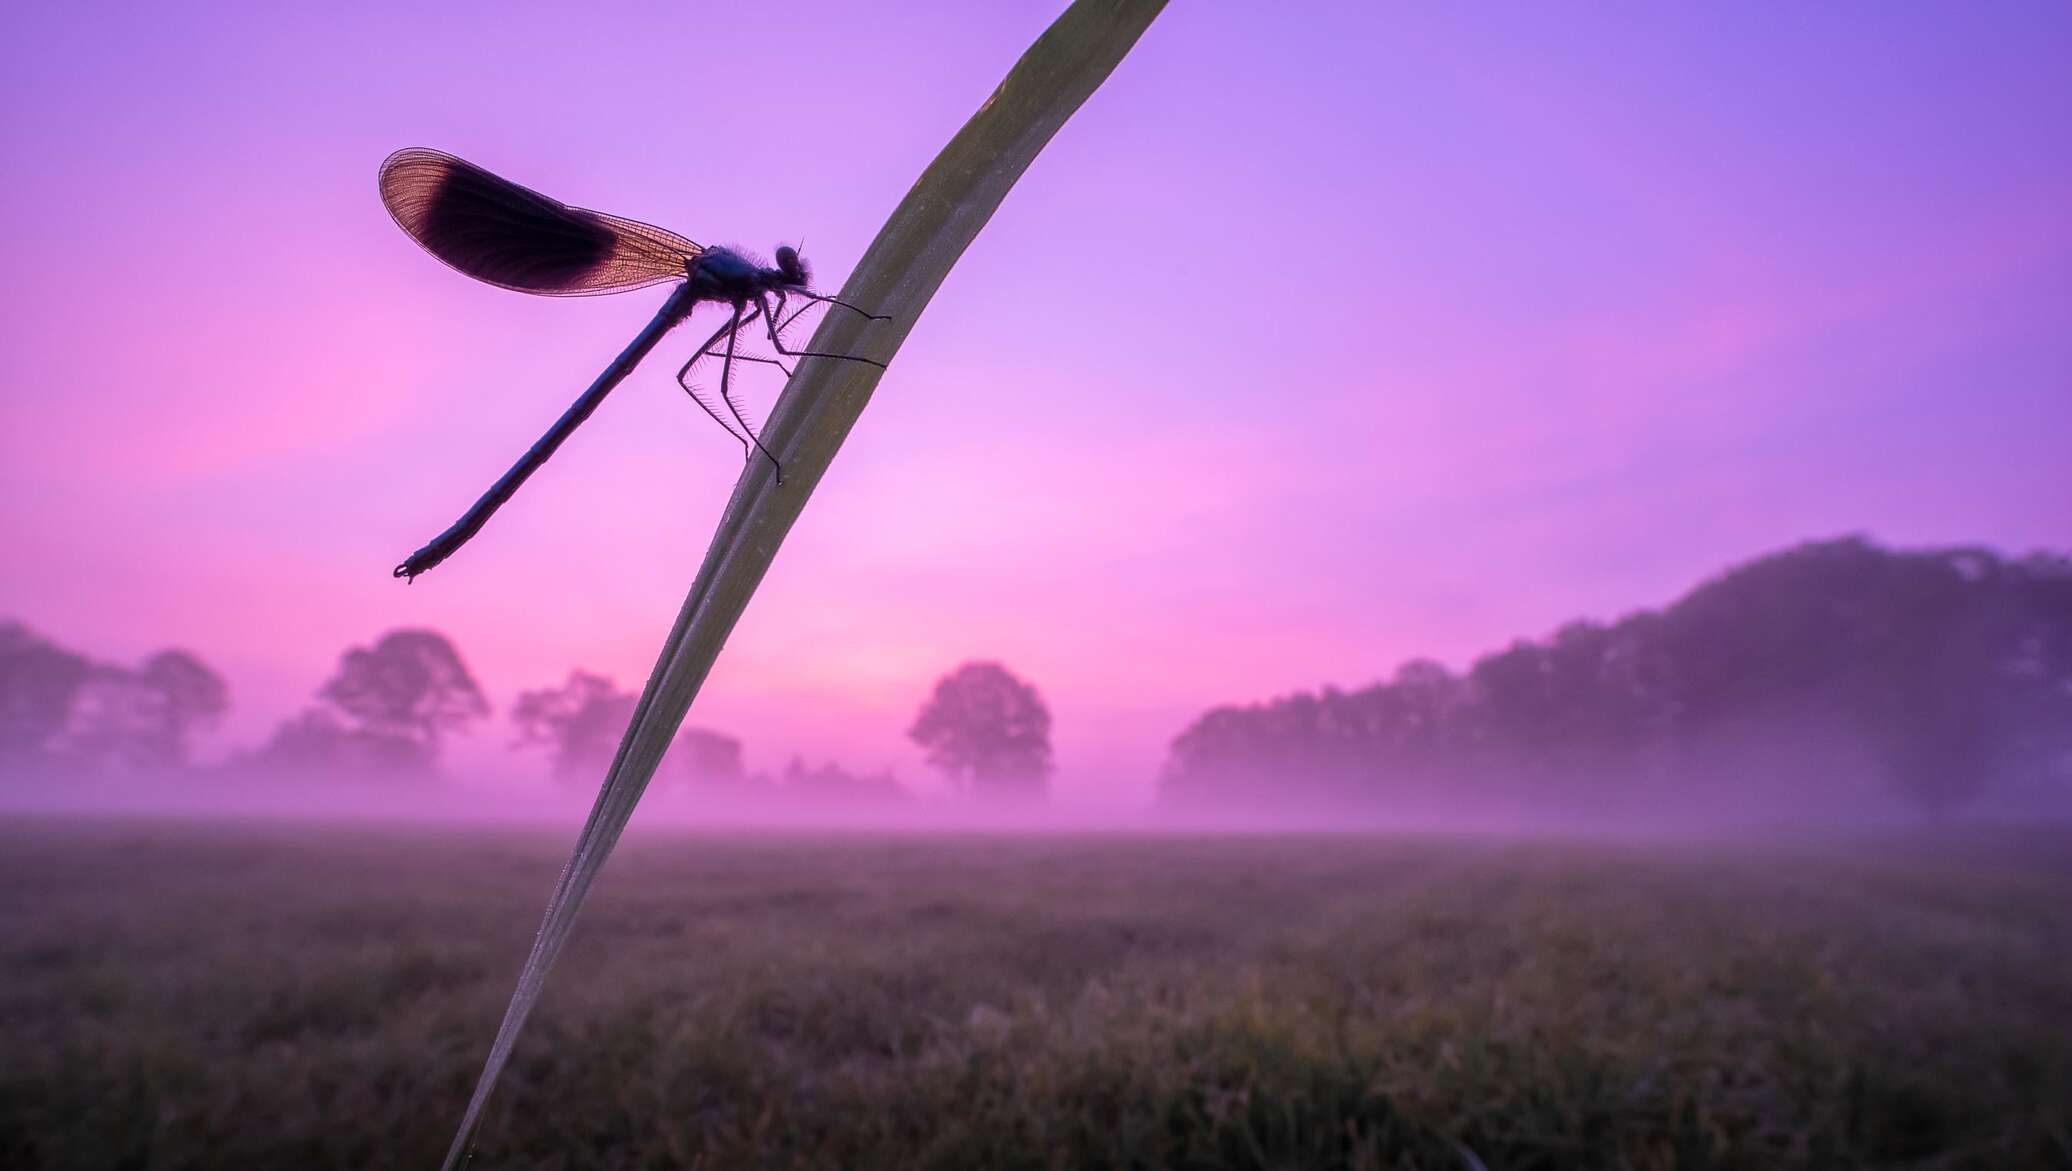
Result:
[{"x": 183, "y": 996}]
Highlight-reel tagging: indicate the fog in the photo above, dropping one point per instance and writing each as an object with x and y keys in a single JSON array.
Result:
[
  {"x": 1780, "y": 788},
  {"x": 1835, "y": 684}
]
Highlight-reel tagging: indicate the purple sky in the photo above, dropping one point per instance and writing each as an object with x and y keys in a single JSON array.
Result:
[{"x": 1324, "y": 337}]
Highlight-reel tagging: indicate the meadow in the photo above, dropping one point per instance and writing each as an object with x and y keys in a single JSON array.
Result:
[{"x": 180, "y": 995}]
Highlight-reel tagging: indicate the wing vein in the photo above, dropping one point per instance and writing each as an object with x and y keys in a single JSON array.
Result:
[{"x": 511, "y": 236}]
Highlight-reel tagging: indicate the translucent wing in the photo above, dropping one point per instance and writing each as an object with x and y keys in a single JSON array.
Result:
[{"x": 496, "y": 231}]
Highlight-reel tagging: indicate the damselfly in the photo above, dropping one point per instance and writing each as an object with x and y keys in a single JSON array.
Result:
[{"x": 496, "y": 231}]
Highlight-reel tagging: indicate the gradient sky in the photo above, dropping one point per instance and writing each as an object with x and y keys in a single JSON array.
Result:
[{"x": 1324, "y": 337}]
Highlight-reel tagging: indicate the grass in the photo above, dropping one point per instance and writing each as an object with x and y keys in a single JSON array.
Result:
[{"x": 186, "y": 996}]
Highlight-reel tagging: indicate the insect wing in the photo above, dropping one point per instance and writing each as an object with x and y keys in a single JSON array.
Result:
[{"x": 496, "y": 231}]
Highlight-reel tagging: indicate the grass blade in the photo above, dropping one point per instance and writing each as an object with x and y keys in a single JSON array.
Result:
[{"x": 900, "y": 272}]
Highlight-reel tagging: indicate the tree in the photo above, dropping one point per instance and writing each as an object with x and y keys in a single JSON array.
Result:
[
  {"x": 582, "y": 720},
  {"x": 57, "y": 707},
  {"x": 145, "y": 719},
  {"x": 410, "y": 688},
  {"x": 39, "y": 683},
  {"x": 1943, "y": 674},
  {"x": 142, "y": 720},
  {"x": 986, "y": 730},
  {"x": 318, "y": 743},
  {"x": 708, "y": 757},
  {"x": 832, "y": 787},
  {"x": 1980, "y": 701},
  {"x": 191, "y": 696}
]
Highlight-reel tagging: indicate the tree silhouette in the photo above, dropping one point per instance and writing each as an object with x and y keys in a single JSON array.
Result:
[
  {"x": 144, "y": 719},
  {"x": 707, "y": 757},
  {"x": 61, "y": 708},
  {"x": 191, "y": 697},
  {"x": 410, "y": 688},
  {"x": 39, "y": 683},
  {"x": 832, "y": 787},
  {"x": 986, "y": 730},
  {"x": 1950, "y": 671},
  {"x": 318, "y": 743},
  {"x": 581, "y": 720}
]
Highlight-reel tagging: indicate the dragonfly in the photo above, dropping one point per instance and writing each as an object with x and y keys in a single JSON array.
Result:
[{"x": 516, "y": 238}]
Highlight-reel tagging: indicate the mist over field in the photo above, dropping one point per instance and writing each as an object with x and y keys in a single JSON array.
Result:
[
  {"x": 1773, "y": 875},
  {"x": 1832, "y": 685}
]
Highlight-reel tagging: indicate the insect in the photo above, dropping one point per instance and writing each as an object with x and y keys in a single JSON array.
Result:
[{"x": 510, "y": 236}]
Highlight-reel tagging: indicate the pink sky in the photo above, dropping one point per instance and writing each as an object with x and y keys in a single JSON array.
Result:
[{"x": 1323, "y": 338}]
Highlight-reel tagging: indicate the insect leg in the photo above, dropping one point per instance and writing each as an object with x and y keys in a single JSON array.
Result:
[
  {"x": 778, "y": 342},
  {"x": 749, "y": 358},
  {"x": 709, "y": 352},
  {"x": 795, "y": 314},
  {"x": 845, "y": 305},
  {"x": 778, "y": 312},
  {"x": 726, "y": 365},
  {"x": 683, "y": 379},
  {"x": 726, "y": 372}
]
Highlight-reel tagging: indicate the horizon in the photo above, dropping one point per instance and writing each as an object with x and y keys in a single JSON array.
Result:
[
  {"x": 1748, "y": 784},
  {"x": 1567, "y": 333}
]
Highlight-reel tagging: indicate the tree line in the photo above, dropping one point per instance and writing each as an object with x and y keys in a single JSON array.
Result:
[
  {"x": 60, "y": 707},
  {"x": 1943, "y": 674},
  {"x": 389, "y": 708}
]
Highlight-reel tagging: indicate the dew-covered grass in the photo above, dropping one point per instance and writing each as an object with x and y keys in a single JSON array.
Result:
[{"x": 178, "y": 995}]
